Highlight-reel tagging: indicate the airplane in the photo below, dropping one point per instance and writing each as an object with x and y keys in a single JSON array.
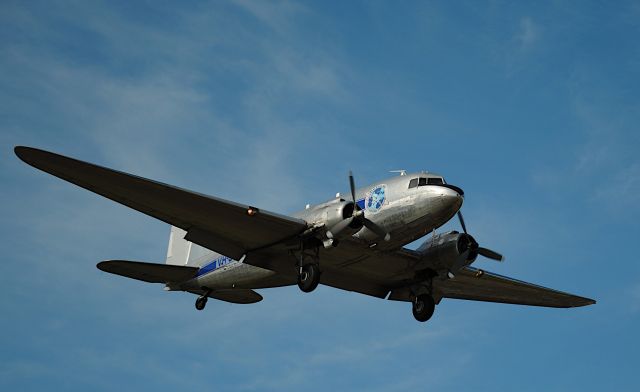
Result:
[{"x": 226, "y": 250}]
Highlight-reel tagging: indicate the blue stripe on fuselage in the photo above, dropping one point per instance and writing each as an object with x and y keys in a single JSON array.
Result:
[
  {"x": 360, "y": 203},
  {"x": 214, "y": 265}
]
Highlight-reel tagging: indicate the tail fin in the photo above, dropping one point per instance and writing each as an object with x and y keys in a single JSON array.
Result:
[{"x": 183, "y": 252}]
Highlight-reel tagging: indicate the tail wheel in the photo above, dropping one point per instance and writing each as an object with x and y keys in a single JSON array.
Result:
[
  {"x": 201, "y": 302},
  {"x": 423, "y": 307},
  {"x": 309, "y": 277}
]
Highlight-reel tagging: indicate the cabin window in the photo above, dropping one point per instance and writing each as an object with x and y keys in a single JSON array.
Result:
[
  {"x": 413, "y": 183},
  {"x": 423, "y": 181},
  {"x": 434, "y": 181}
]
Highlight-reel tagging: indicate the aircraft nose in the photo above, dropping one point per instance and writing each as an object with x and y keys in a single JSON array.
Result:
[{"x": 452, "y": 198}]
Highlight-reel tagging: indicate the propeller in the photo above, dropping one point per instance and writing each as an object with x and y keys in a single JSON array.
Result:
[
  {"x": 359, "y": 215},
  {"x": 474, "y": 247},
  {"x": 464, "y": 227},
  {"x": 488, "y": 253}
]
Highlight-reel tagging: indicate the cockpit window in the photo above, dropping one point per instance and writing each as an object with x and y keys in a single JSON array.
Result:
[{"x": 422, "y": 181}]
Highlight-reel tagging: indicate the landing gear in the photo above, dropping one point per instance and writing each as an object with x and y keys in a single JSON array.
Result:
[
  {"x": 201, "y": 302},
  {"x": 423, "y": 307},
  {"x": 309, "y": 277}
]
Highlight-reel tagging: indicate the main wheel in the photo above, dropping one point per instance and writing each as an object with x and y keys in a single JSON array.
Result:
[
  {"x": 201, "y": 302},
  {"x": 309, "y": 278},
  {"x": 423, "y": 307}
]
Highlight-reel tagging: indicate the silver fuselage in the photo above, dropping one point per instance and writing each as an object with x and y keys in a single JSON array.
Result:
[{"x": 406, "y": 213}]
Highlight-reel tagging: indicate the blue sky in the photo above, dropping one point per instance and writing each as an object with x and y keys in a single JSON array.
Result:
[{"x": 531, "y": 108}]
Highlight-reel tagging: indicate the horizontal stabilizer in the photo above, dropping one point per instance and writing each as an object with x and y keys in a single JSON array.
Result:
[{"x": 149, "y": 272}]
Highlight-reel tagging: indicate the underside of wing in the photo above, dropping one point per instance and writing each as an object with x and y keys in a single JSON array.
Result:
[
  {"x": 149, "y": 272},
  {"x": 350, "y": 266},
  {"x": 474, "y": 284},
  {"x": 224, "y": 226}
]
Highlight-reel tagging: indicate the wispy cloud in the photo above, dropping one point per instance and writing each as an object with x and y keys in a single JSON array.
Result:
[
  {"x": 622, "y": 190},
  {"x": 362, "y": 351},
  {"x": 254, "y": 102},
  {"x": 279, "y": 16},
  {"x": 155, "y": 108},
  {"x": 634, "y": 299},
  {"x": 357, "y": 354},
  {"x": 144, "y": 124},
  {"x": 527, "y": 34}
]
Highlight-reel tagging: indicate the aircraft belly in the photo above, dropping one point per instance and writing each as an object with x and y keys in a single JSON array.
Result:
[{"x": 243, "y": 276}]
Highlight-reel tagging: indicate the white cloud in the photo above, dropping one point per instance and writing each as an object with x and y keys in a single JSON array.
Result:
[
  {"x": 362, "y": 351},
  {"x": 170, "y": 122},
  {"x": 621, "y": 190},
  {"x": 635, "y": 298},
  {"x": 148, "y": 123},
  {"x": 527, "y": 34},
  {"x": 279, "y": 16}
]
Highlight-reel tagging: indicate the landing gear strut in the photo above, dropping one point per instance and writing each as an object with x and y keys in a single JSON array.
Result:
[
  {"x": 309, "y": 277},
  {"x": 423, "y": 307},
  {"x": 201, "y": 302}
]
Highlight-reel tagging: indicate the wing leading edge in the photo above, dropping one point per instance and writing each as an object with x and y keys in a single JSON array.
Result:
[{"x": 214, "y": 223}]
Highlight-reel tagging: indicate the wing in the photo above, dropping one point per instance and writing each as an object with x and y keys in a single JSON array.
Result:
[
  {"x": 148, "y": 272},
  {"x": 368, "y": 271},
  {"x": 217, "y": 224},
  {"x": 478, "y": 285}
]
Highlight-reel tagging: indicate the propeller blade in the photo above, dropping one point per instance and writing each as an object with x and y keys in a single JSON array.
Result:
[
  {"x": 464, "y": 227},
  {"x": 352, "y": 184},
  {"x": 376, "y": 229},
  {"x": 338, "y": 227},
  {"x": 488, "y": 253}
]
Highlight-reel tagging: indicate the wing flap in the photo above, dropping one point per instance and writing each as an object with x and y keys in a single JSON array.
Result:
[
  {"x": 148, "y": 272},
  {"x": 217, "y": 224}
]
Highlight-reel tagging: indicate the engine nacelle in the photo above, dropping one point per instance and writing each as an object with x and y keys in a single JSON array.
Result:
[
  {"x": 331, "y": 213},
  {"x": 448, "y": 251}
]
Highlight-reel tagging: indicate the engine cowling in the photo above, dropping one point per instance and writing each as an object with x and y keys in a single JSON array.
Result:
[
  {"x": 449, "y": 251},
  {"x": 331, "y": 213}
]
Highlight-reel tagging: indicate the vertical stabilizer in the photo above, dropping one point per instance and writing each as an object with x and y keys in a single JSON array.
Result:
[
  {"x": 183, "y": 252},
  {"x": 179, "y": 248}
]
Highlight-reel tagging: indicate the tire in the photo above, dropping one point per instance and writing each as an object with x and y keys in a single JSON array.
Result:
[
  {"x": 423, "y": 307},
  {"x": 309, "y": 278},
  {"x": 201, "y": 302}
]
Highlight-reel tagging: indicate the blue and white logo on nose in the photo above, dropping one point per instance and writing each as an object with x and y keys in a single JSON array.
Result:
[{"x": 375, "y": 198}]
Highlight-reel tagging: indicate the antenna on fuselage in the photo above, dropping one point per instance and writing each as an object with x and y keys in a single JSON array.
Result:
[{"x": 402, "y": 172}]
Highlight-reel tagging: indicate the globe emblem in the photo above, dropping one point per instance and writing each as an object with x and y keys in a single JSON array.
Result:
[{"x": 376, "y": 197}]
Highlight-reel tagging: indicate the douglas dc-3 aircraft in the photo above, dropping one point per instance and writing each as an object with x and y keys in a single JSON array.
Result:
[{"x": 224, "y": 250}]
